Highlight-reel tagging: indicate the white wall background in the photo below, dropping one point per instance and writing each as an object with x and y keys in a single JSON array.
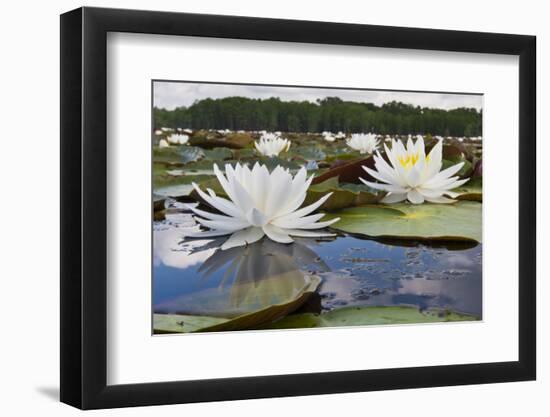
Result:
[{"x": 29, "y": 164}]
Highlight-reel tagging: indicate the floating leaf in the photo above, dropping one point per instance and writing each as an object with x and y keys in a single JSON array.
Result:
[
  {"x": 341, "y": 157},
  {"x": 179, "y": 323},
  {"x": 348, "y": 172},
  {"x": 347, "y": 316},
  {"x": 269, "y": 314},
  {"x": 177, "y": 155},
  {"x": 472, "y": 190},
  {"x": 218, "y": 154},
  {"x": 341, "y": 197},
  {"x": 233, "y": 141},
  {"x": 245, "y": 153},
  {"x": 364, "y": 316},
  {"x": 262, "y": 282},
  {"x": 272, "y": 162},
  {"x": 177, "y": 190},
  {"x": 308, "y": 153},
  {"x": 459, "y": 221},
  {"x": 292, "y": 289},
  {"x": 191, "y": 154},
  {"x": 465, "y": 171}
]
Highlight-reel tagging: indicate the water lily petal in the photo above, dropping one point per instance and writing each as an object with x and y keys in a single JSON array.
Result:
[
  {"x": 378, "y": 175},
  {"x": 227, "y": 225},
  {"x": 294, "y": 204},
  {"x": 223, "y": 182},
  {"x": 413, "y": 179},
  {"x": 449, "y": 172},
  {"x": 445, "y": 184},
  {"x": 218, "y": 203},
  {"x": 430, "y": 193},
  {"x": 441, "y": 200},
  {"x": 305, "y": 210},
  {"x": 205, "y": 233},
  {"x": 297, "y": 223},
  {"x": 242, "y": 197},
  {"x": 394, "y": 198},
  {"x": 307, "y": 233},
  {"x": 451, "y": 194},
  {"x": 277, "y": 234},
  {"x": 384, "y": 187},
  {"x": 320, "y": 225},
  {"x": 384, "y": 168},
  {"x": 208, "y": 215},
  {"x": 256, "y": 217},
  {"x": 415, "y": 197},
  {"x": 243, "y": 237}
]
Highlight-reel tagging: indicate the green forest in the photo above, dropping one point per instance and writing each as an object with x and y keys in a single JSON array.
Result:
[{"x": 329, "y": 114}]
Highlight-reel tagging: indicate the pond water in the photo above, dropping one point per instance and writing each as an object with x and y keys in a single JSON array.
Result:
[{"x": 195, "y": 277}]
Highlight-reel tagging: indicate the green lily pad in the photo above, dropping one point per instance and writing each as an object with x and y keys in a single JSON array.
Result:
[
  {"x": 272, "y": 162},
  {"x": 308, "y": 153},
  {"x": 218, "y": 154},
  {"x": 341, "y": 157},
  {"x": 268, "y": 314},
  {"x": 232, "y": 141},
  {"x": 262, "y": 283},
  {"x": 177, "y": 155},
  {"x": 466, "y": 169},
  {"x": 347, "y": 316},
  {"x": 347, "y": 171},
  {"x": 177, "y": 190},
  {"x": 179, "y": 323},
  {"x": 365, "y": 316},
  {"x": 240, "y": 154},
  {"x": 341, "y": 197},
  {"x": 472, "y": 190},
  {"x": 459, "y": 221},
  {"x": 286, "y": 285}
]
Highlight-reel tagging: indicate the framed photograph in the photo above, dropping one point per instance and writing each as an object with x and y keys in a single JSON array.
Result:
[{"x": 257, "y": 208}]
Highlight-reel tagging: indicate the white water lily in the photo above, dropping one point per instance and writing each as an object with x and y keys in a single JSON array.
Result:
[
  {"x": 271, "y": 145},
  {"x": 178, "y": 139},
  {"x": 413, "y": 176},
  {"x": 340, "y": 135},
  {"x": 260, "y": 203},
  {"x": 364, "y": 143},
  {"x": 163, "y": 143},
  {"x": 329, "y": 137}
]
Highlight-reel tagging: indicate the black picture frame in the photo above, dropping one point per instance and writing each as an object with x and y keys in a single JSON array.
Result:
[{"x": 84, "y": 207}]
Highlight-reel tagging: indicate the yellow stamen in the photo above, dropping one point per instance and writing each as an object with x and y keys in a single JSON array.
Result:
[{"x": 409, "y": 161}]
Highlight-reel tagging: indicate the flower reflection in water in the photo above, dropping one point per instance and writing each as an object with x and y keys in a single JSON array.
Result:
[{"x": 250, "y": 278}]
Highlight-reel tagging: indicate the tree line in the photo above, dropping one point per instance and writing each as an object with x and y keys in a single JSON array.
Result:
[{"x": 329, "y": 114}]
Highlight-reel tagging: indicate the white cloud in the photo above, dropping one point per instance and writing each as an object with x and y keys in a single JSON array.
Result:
[{"x": 170, "y": 95}]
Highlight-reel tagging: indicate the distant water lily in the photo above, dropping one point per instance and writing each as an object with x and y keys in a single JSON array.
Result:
[
  {"x": 271, "y": 144},
  {"x": 163, "y": 143},
  {"x": 329, "y": 137},
  {"x": 413, "y": 176},
  {"x": 340, "y": 135},
  {"x": 178, "y": 139},
  {"x": 260, "y": 203},
  {"x": 364, "y": 143}
]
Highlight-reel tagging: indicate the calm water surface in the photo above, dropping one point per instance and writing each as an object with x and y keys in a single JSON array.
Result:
[{"x": 195, "y": 277}]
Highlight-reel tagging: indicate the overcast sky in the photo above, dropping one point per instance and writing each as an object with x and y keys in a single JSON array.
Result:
[{"x": 170, "y": 95}]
